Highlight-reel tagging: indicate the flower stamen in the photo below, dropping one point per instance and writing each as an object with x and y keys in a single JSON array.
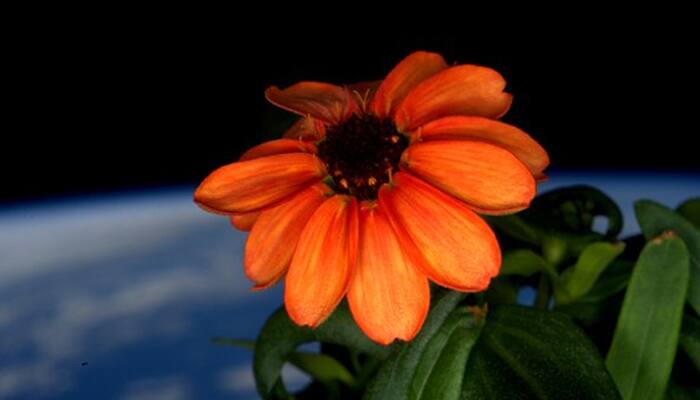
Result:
[{"x": 362, "y": 153}]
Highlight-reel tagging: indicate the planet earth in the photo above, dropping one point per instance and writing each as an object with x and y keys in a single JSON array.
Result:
[{"x": 116, "y": 296}]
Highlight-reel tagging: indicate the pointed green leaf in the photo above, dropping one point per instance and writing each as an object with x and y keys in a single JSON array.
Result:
[
  {"x": 572, "y": 210},
  {"x": 526, "y": 353},
  {"x": 403, "y": 375},
  {"x": 690, "y": 210},
  {"x": 322, "y": 367},
  {"x": 601, "y": 301},
  {"x": 279, "y": 338},
  {"x": 614, "y": 279},
  {"x": 525, "y": 263},
  {"x": 516, "y": 227},
  {"x": 646, "y": 336},
  {"x": 580, "y": 279},
  {"x": 447, "y": 374},
  {"x": 656, "y": 219}
]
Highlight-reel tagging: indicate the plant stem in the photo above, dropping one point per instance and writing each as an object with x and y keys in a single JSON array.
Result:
[
  {"x": 544, "y": 290},
  {"x": 355, "y": 360}
]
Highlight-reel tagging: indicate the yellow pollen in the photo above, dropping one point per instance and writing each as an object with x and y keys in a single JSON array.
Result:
[
  {"x": 372, "y": 181},
  {"x": 394, "y": 138},
  {"x": 344, "y": 183}
]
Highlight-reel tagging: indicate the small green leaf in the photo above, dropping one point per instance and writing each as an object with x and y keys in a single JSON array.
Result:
[
  {"x": 525, "y": 263},
  {"x": 322, "y": 367},
  {"x": 690, "y": 339},
  {"x": 646, "y": 336},
  {"x": 690, "y": 210},
  {"x": 563, "y": 217},
  {"x": 516, "y": 227},
  {"x": 279, "y": 338},
  {"x": 395, "y": 379},
  {"x": 525, "y": 353},
  {"x": 656, "y": 219},
  {"x": 615, "y": 278},
  {"x": 572, "y": 210},
  {"x": 580, "y": 279}
]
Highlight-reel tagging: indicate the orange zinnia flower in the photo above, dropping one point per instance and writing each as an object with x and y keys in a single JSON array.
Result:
[{"x": 376, "y": 189}]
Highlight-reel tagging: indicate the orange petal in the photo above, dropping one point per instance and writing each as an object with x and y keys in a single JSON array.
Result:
[
  {"x": 278, "y": 146},
  {"x": 328, "y": 103},
  {"x": 274, "y": 237},
  {"x": 490, "y": 179},
  {"x": 458, "y": 248},
  {"x": 306, "y": 128},
  {"x": 408, "y": 73},
  {"x": 389, "y": 295},
  {"x": 322, "y": 265},
  {"x": 246, "y": 186},
  {"x": 244, "y": 222},
  {"x": 461, "y": 90},
  {"x": 525, "y": 148}
]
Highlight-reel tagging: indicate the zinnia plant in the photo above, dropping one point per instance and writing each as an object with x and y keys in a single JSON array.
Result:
[{"x": 380, "y": 188}]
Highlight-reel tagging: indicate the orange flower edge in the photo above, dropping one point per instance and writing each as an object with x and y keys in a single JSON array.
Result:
[{"x": 407, "y": 164}]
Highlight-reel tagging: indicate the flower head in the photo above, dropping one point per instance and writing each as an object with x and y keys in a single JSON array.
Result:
[{"x": 377, "y": 189}]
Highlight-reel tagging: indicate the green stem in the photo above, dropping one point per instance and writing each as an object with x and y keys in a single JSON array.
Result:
[
  {"x": 367, "y": 371},
  {"x": 544, "y": 291},
  {"x": 355, "y": 360}
]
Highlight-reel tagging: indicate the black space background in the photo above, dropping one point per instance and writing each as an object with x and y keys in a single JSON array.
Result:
[{"x": 116, "y": 103}]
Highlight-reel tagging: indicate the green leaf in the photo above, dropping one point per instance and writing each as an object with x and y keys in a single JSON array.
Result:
[
  {"x": 322, "y": 367},
  {"x": 516, "y": 227},
  {"x": 440, "y": 372},
  {"x": 615, "y": 278},
  {"x": 563, "y": 217},
  {"x": 526, "y": 353},
  {"x": 525, "y": 263},
  {"x": 690, "y": 339},
  {"x": 646, "y": 336},
  {"x": 690, "y": 210},
  {"x": 403, "y": 375},
  {"x": 580, "y": 279},
  {"x": 656, "y": 219},
  {"x": 572, "y": 210},
  {"x": 279, "y": 338}
]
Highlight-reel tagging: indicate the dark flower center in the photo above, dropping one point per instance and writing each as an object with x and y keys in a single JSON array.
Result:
[{"x": 361, "y": 154}]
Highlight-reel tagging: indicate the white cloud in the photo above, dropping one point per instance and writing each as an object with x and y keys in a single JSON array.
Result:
[
  {"x": 237, "y": 379},
  {"x": 173, "y": 388},
  {"x": 101, "y": 304},
  {"x": 35, "y": 378},
  {"x": 35, "y": 240}
]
